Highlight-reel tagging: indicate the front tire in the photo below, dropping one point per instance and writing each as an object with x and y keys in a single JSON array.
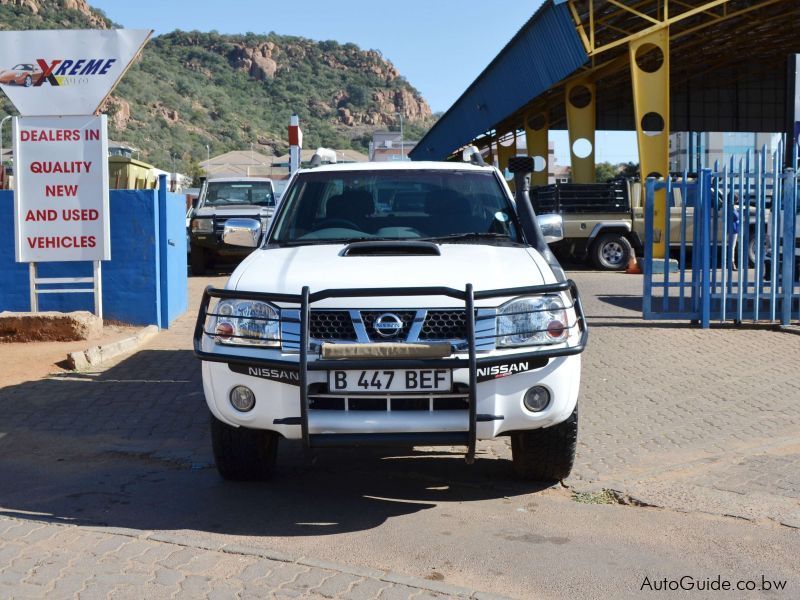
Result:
[
  {"x": 28, "y": 81},
  {"x": 611, "y": 252},
  {"x": 243, "y": 454},
  {"x": 545, "y": 454},
  {"x": 198, "y": 260}
]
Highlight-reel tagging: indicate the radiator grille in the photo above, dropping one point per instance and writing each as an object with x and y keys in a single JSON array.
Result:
[
  {"x": 330, "y": 325},
  {"x": 444, "y": 325}
]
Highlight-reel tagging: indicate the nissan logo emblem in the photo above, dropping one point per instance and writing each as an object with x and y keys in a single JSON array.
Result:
[{"x": 388, "y": 325}]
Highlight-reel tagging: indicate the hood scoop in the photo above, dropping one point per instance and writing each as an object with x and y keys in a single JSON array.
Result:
[{"x": 392, "y": 248}]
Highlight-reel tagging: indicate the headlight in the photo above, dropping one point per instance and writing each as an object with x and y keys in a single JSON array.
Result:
[
  {"x": 532, "y": 321},
  {"x": 247, "y": 323},
  {"x": 203, "y": 225}
]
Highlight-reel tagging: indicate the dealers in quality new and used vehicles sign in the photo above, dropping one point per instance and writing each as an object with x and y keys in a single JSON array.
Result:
[
  {"x": 65, "y": 72},
  {"x": 61, "y": 200}
]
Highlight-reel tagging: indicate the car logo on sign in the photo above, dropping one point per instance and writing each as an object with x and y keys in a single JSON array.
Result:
[{"x": 388, "y": 325}]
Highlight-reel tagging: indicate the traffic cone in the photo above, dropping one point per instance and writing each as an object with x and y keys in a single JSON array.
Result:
[{"x": 633, "y": 266}]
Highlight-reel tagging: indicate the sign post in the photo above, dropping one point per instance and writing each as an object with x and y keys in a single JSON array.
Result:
[
  {"x": 58, "y": 81},
  {"x": 61, "y": 200}
]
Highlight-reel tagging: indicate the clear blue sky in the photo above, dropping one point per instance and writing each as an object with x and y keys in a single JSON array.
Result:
[{"x": 440, "y": 46}]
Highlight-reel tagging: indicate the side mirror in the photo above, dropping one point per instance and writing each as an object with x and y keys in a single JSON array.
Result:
[
  {"x": 552, "y": 227},
  {"x": 242, "y": 232}
]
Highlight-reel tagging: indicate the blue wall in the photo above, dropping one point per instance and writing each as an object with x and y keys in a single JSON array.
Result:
[{"x": 144, "y": 283}]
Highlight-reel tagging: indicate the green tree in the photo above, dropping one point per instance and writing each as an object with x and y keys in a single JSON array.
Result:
[
  {"x": 629, "y": 170},
  {"x": 605, "y": 171}
]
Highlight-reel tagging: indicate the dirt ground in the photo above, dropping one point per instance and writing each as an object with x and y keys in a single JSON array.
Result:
[{"x": 21, "y": 362}]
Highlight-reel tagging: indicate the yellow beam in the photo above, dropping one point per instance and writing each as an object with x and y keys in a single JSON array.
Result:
[
  {"x": 651, "y": 107},
  {"x": 633, "y": 11},
  {"x": 655, "y": 23},
  {"x": 581, "y": 117},
  {"x": 579, "y": 26}
]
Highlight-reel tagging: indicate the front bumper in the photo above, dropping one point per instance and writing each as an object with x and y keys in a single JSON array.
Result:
[{"x": 284, "y": 382}]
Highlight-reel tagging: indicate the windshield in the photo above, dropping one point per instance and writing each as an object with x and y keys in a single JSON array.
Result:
[
  {"x": 342, "y": 206},
  {"x": 224, "y": 193}
]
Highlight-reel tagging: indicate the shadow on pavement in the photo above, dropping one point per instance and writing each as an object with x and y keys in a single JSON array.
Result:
[
  {"x": 129, "y": 447},
  {"x": 632, "y": 303}
]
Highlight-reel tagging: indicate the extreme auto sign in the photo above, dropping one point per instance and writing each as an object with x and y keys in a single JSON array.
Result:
[
  {"x": 67, "y": 72},
  {"x": 58, "y": 81}
]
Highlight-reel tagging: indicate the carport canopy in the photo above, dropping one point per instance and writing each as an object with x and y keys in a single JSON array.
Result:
[{"x": 726, "y": 66}]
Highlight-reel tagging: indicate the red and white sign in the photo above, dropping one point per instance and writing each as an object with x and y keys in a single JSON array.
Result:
[{"x": 61, "y": 199}]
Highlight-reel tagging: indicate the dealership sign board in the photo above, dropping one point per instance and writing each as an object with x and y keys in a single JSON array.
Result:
[
  {"x": 65, "y": 72},
  {"x": 61, "y": 199}
]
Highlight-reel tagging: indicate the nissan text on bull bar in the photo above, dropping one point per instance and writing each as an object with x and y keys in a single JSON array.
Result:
[{"x": 395, "y": 304}]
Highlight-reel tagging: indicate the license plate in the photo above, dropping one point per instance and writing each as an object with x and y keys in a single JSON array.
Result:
[{"x": 399, "y": 380}]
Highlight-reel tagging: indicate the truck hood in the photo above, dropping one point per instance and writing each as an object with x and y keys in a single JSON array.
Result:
[{"x": 322, "y": 267}]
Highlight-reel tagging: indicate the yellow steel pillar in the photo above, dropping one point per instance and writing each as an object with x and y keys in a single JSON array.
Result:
[
  {"x": 580, "y": 102},
  {"x": 536, "y": 137},
  {"x": 649, "y": 60},
  {"x": 506, "y": 148}
]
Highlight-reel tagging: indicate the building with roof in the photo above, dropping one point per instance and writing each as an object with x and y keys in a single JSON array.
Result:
[
  {"x": 691, "y": 151},
  {"x": 245, "y": 163},
  {"x": 390, "y": 146}
]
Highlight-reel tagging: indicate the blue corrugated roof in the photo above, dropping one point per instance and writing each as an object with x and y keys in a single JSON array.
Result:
[{"x": 546, "y": 50}]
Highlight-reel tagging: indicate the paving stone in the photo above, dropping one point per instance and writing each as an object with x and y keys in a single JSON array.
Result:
[
  {"x": 180, "y": 558},
  {"x": 367, "y": 589},
  {"x": 310, "y": 579},
  {"x": 167, "y": 577},
  {"x": 281, "y": 574},
  {"x": 195, "y": 586},
  {"x": 337, "y": 584},
  {"x": 399, "y": 592}
]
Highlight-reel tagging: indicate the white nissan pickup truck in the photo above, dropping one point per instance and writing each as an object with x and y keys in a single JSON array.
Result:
[{"x": 395, "y": 304}]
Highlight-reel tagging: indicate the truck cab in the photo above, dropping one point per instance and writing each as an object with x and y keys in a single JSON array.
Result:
[{"x": 222, "y": 199}]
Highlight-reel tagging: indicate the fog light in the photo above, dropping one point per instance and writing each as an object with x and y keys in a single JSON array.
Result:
[
  {"x": 537, "y": 398},
  {"x": 242, "y": 398}
]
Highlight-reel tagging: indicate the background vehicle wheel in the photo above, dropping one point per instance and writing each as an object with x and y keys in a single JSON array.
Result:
[
  {"x": 545, "y": 454},
  {"x": 28, "y": 81},
  {"x": 198, "y": 260},
  {"x": 243, "y": 454},
  {"x": 751, "y": 249},
  {"x": 611, "y": 252}
]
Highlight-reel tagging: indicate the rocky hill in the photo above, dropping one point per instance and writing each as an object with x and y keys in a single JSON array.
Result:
[{"x": 192, "y": 89}]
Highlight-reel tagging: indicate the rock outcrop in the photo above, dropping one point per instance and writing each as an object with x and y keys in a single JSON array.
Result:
[
  {"x": 256, "y": 61},
  {"x": 92, "y": 18}
]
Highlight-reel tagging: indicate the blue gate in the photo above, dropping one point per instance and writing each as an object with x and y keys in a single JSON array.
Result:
[{"x": 733, "y": 236}]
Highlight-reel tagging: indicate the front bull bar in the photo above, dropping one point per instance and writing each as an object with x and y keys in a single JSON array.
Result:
[{"x": 472, "y": 362}]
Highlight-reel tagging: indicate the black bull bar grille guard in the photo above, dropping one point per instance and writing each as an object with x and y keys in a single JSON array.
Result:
[{"x": 472, "y": 362}]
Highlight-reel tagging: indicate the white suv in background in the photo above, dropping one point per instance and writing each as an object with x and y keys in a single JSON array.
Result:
[{"x": 411, "y": 304}]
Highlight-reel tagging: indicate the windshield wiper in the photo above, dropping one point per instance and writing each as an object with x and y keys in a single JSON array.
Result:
[
  {"x": 323, "y": 241},
  {"x": 473, "y": 236}
]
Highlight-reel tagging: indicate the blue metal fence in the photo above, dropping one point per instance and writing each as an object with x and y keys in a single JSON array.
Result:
[{"x": 732, "y": 233}]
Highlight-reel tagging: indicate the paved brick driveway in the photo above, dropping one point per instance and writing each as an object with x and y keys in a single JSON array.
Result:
[
  {"x": 671, "y": 416},
  {"x": 686, "y": 418}
]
